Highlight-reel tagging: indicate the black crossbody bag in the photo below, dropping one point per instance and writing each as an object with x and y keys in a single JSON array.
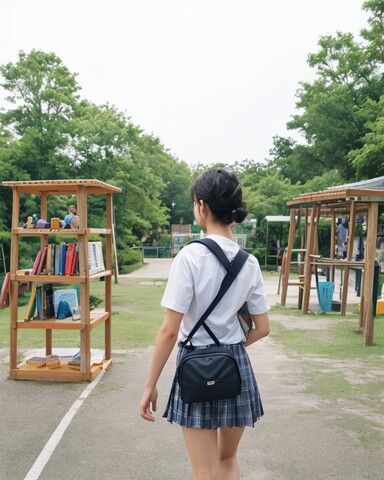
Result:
[{"x": 211, "y": 373}]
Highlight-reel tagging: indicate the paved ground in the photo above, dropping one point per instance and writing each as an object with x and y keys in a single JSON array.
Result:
[{"x": 301, "y": 437}]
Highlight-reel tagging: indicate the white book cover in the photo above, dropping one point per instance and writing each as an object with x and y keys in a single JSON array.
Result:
[
  {"x": 95, "y": 257},
  {"x": 66, "y": 294}
]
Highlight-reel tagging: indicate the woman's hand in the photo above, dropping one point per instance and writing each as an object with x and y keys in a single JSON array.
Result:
[{"x": 148, "y": 404}]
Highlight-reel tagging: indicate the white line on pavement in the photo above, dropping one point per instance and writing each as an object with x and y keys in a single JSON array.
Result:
[{"x": 50, "y": 446}]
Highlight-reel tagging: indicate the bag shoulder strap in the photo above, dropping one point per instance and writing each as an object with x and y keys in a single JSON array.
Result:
[{"x": 233, "y": 268}]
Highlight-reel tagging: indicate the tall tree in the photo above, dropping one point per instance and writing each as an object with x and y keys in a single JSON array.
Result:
[
  {"x": 44, "y": 97},
  {"x": 335, "y": 111}
]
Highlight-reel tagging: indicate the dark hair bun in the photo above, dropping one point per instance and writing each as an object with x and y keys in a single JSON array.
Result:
[
  {"x": 240, "y": 214},
  {"x": 220, "y": 189}
]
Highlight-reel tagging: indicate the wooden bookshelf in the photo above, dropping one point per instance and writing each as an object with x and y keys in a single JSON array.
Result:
[{"x": 88, "y": 319}]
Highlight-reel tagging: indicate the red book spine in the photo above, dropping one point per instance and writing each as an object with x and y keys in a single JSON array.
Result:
[
  {"x": 73, "y": 265},
  {"x": 36, "y": 263},
  {"x": 69, "y": 258},
  {"x": 41, "y": 265}
]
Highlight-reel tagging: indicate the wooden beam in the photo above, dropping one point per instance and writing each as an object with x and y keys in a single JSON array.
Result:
[
  {"x": 308, "y": 266},
  {"x": 351, "y": 238},
  {"x": 369, "y": 272},
  {"x": 288, "y": 258},
  {"x": 332, "y": 247}
]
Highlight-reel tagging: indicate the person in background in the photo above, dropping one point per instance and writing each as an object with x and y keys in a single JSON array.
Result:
[
  {"x": 212, "y": 430},
  {"x": 72, "y": 219},
  {"x": 342, "y": 237}
]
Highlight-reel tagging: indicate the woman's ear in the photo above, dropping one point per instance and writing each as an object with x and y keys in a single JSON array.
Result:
[{"x": 203, "y": 207}]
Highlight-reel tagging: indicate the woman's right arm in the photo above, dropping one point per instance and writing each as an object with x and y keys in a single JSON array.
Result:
[{"x": 165, "y": 341}]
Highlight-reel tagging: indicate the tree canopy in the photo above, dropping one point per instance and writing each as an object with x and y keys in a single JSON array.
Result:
[{"x": 48, "y": 131}]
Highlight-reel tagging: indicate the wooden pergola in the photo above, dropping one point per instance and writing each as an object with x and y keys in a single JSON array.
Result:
[{"x": 362, "y": 198}]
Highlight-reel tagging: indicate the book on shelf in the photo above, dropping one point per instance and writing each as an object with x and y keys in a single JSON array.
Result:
[
  {"x": 70, "y": 260},
  {"x": 68, "y": 295},
  {"x": 44, "y": 301},
  {"x": 38, "y": 302},
  {"x": 52, "y": 270},
  {"x": 57, "y": 259},
  {"x": 74, "y": 365},
  {"x": 62, "y": 258},
  {"x": 36, "y": 362},
  {"x": 53, "y": 361},
  {"x": 36, "y": 262},
  {"x": 43, "y": 258},
  {"x": 48, "y": 310},
  {"x": 31, "y": 307},
  {"x": 48, "y": 260},
  {"x": 95, "y": 257}
]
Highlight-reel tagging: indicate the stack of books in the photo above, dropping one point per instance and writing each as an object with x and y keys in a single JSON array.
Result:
[
  {"x": 74, "y": 363},
  {"x": 37, "y": 362},
  {"x": 52, "y": 361}
]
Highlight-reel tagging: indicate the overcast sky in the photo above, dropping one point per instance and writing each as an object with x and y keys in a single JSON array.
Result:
[{"x": 215, "y": 80}]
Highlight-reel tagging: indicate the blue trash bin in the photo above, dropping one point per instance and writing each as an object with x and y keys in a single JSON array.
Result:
[{"x": 325, "y": 294}]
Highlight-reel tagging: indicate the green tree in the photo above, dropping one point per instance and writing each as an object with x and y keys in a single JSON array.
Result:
[
  {"x": 43, "y": 94},
  {"x": 369, "y": 159},
  {"x": 335, "y": 110}
]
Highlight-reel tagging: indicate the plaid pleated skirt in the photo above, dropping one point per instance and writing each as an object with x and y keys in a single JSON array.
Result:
[{"x": 241, "y": 411}]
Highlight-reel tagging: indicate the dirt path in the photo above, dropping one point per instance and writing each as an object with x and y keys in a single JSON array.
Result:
[{"x": 303, "y": 435}]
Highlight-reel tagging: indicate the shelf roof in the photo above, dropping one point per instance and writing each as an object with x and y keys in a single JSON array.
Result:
[
  {"x": 62, "y": 187},
  {"x": 365, "y": 191}
]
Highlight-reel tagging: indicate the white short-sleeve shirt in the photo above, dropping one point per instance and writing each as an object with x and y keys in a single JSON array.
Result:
[{"x": 194, "y": 280}]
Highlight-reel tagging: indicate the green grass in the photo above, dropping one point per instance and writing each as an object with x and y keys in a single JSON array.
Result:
[
  {"x": 338, "y": 368},
  {"x": 341, "y": 340},
  {"x": 136, "y": 317}
]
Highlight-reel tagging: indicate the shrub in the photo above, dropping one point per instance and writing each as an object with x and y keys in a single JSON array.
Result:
[{"x": 127, "y": 259}]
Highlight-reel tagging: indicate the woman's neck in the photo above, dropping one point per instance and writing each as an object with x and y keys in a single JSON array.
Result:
[{"x": 222, "y": 230}]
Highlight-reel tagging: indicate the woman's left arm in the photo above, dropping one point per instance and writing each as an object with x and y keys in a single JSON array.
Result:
[
  {"x": 165, "y": 341},
  {"x": 261, "y": 329}
]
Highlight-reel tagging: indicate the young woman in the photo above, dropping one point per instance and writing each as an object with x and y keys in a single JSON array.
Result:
[{"x": 212, "y": 430}]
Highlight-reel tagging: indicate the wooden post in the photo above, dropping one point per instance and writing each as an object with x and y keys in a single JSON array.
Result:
[
  {"x": 332, "y": 252},
  {"x": 369, "y": 272},
  {"x": 85, "y": 347},
  {"x": 288, "y": 258},
  {"x": 43, "y": 244},
  {"x": 361, "y": 313},
  {"x": 108, "y": 281},
  {"x": 308, "y": 266},
  {"x": 13, "y": 284}
]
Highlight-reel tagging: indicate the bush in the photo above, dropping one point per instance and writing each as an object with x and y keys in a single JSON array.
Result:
[
  {"x": 127, "y": 259},
  {"x": 259, "y": 253}
]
